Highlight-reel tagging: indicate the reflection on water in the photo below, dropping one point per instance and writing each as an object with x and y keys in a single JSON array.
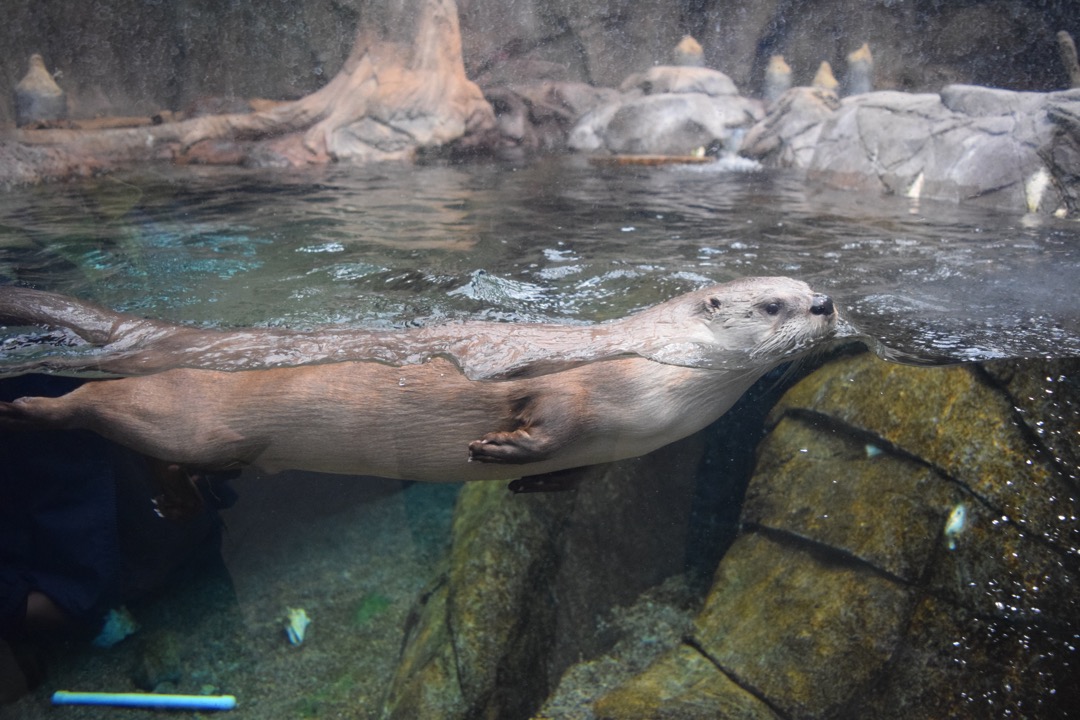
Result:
[{"x": 558, "y": 240}]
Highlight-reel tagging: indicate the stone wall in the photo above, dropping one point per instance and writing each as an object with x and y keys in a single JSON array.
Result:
[{"x": 123, "y": 57}]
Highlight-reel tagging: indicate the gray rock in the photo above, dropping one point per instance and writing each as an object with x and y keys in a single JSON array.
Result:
[
  {"x": 680, "y": 79},
  {"x": 967, "y": 144},
  {"x": 540, "y": 116},
  {"x": 788, "y": 135},
  {"x": 665, "y": 124}
]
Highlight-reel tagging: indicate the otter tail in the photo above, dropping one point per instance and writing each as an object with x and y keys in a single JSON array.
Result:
[
  {"x": 27, "y": 413},
  {"x": 23, "y": 306}
]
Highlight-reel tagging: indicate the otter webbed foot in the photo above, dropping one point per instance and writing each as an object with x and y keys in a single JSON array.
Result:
[{"x": 517, "y": 447}]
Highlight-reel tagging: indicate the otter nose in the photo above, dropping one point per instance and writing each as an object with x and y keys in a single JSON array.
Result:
[{"x": 822, "y": 305}]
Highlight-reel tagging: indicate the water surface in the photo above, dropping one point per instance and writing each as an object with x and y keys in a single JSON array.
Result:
[{"x": 559, "y": 240}]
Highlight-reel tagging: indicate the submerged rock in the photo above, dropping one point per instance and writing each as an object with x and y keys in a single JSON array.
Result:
[
  {"x": 527, "y": 578},
  {"x": 909, "y": 548},
  {"x": 845, "y": 595}
]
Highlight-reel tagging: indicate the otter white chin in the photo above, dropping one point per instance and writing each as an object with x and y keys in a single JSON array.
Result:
[{"x": 567, "y": 396}]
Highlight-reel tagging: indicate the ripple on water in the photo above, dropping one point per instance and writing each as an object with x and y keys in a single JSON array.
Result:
[{"x": 554, "y": 243}]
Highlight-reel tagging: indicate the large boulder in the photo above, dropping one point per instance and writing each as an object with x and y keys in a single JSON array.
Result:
[
  {"x": 669, "y": 110},
  {"x": 528, "y": 576},
  {"x": 909, "y": 550},
  {"x": 787, "y": 137},
  {"x": 539, "y": 117},
  {"x": 996, "y": 148}
]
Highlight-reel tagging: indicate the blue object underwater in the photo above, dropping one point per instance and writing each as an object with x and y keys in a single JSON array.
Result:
[{"x": 146, "y": 700}]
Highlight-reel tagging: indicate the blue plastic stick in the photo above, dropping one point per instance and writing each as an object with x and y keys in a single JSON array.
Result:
[{"x": 146, "y": 700}]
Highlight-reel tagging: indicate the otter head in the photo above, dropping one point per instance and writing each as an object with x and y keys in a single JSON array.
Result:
[
  {"x": 747, "y": 323},
  {"x": 767, "y": 318}
]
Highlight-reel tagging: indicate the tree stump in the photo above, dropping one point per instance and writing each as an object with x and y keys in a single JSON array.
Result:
[{"x": 390, "y": 101}]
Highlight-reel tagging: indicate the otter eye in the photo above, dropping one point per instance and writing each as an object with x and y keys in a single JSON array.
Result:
[
  {"x": 772, "y": 308},
  {"x": 714, "y": 303}
]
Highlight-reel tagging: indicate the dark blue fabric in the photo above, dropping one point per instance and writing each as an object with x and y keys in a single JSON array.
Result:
[
  {"x": 57, "y": 512},
  {"x": 78, "y": 522}
]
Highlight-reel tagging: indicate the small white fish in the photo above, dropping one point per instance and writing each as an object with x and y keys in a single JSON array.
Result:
[
  {"x": 119, "y": 623},
  {"x": 296, "y": 625},
  {"x": 955, "y": 524}
]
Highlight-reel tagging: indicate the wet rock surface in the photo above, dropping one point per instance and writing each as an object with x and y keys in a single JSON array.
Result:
[{"x": 909, "y": 550}]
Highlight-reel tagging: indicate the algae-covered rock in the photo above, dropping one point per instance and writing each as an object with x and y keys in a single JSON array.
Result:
[
  {"x": 1047, "y": 402},
  {"x": 954, "y": 421},
  {"x": 682, "y": 684},
  {"x": 425, "y": 684},
  {"x": 528, "y": 576},
  {"x": 482, "y": 633},
  {"x": 803, "y": 628},
  {"x": 655, "y": 623},
  {"x": 499, "y": 604},
  {"x": 889, "y": 510},
  {"x": 909, "y": 550}
]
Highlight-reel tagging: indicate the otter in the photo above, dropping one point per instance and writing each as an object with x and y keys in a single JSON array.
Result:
[{"x": 430, "y": 404}]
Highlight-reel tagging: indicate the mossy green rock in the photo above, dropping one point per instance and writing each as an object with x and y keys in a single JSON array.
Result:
[
  {"x": 909, "y": 550},
  {"x": 526, "y": 577},
  {"x": 837, "y": 491},
  {"x": 802, "y": 630},
  {"x": 425, "y": 684},
  {"x": 957, "y": 421},
  {"x": 682, "y": 684}
]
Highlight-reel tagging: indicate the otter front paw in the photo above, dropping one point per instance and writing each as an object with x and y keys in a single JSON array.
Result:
[{"x": 516, "y": 447}]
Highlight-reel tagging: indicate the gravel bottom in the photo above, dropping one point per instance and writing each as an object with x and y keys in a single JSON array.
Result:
[{"x": 352, "y": 553}]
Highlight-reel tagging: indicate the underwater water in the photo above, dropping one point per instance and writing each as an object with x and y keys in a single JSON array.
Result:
[{"x": 386, "y": 247}]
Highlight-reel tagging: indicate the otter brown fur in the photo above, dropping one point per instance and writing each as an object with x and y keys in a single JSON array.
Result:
[{"x": 654, "y": 377}]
